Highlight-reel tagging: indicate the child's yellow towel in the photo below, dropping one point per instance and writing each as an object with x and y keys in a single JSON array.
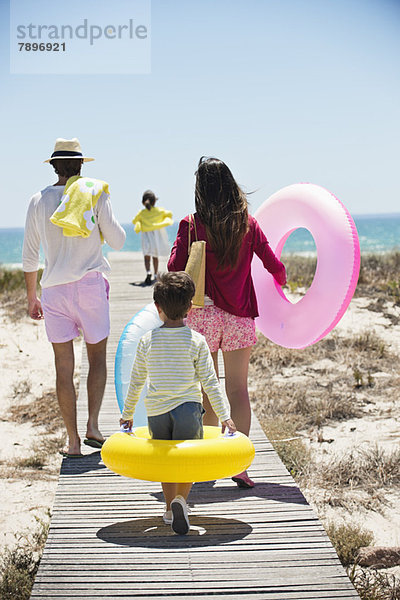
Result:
[
  {"x": 75, "y": 212},
  {"x": 150, "y": 220}
]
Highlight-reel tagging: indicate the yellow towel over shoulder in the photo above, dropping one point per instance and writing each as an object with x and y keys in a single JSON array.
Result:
[
  {"x": 75, "y": 213},
  {"x": 155, "y": 218}
]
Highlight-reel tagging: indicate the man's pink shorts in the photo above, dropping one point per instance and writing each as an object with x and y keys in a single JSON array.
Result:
[
  {"x": 221, "y": 329},
  {"x": 80, "y": 305}
]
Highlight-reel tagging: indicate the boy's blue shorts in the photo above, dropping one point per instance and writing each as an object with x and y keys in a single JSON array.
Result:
[{"x": 185, "y": 422}]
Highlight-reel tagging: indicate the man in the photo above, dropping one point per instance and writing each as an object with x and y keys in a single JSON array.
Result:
[{"x": 74, "y": 289}]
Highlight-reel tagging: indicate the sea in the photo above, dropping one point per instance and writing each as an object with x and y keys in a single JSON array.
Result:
[{"x": 378, "y": 233}]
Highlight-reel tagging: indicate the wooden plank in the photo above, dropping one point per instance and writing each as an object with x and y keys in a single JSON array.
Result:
[{"x": 107, "y": 538}]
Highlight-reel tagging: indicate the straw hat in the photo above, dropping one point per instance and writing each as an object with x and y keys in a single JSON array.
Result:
[{"x": 68, "y": 149}]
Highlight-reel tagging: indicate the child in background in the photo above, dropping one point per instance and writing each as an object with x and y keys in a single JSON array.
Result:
[
  {"x": 151, "y": 221},
  {"x": 177, "y": 362}
]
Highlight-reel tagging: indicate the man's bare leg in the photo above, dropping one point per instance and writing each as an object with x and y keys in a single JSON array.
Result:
[
  {"x": 66, "y": 395},
  {"x": 96, "y": 382}
]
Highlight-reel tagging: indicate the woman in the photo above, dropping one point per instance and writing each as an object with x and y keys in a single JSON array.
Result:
[{"x": 227, "y": 319}]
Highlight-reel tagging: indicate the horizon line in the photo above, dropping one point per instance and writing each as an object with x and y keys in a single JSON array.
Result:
[{"x": 355, "y": 216}]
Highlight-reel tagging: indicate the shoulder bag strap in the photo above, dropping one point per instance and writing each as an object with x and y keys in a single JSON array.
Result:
[
  {"x": 192, "y": 219},
  {"x": 189, "y": 244},
  {"x": 195, "y": 228}
]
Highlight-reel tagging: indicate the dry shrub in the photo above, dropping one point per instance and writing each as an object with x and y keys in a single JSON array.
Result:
[
  {"x": 19, "y": 569},
  {"x": 369, "y": 344},
  {"x": 350, "y": 499},
  {"x": 300, "y": 270},
  {"x": 347, "y": 539},
  {"x": 19, "y": 566},
  {"x": 340, "y": 350},
  {"x": 41, "y": 411},
  {"x": 305, "y": 406},
  {"x": 374, "y": 585},
  {"x": 295, "y": 456},
  {"x": 36, "y": 464},
  {"x": 22, "y": 388},
  {"x": 366, "y": 468},
  {"x": 34, "y": 461},
  {"x": 13, "y": 294},
  {"x": 11, "y": 280},
  {"x": 14, "y": 304},
  {"x": 319, "y": 383},
  {"x": 379, "y": 274},
  {"x": 290, "y": 448},
  {"x": 378, "y": 279}
]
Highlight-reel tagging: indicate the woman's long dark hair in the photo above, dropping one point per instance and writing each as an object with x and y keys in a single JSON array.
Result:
[{"x": 222, "y": 208}]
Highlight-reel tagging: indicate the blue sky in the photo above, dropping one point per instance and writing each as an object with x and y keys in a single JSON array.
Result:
[{"x": 282, "y": 91}]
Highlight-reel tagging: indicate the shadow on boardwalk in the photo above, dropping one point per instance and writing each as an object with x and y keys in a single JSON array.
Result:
[{"x": 153, "y": 533}]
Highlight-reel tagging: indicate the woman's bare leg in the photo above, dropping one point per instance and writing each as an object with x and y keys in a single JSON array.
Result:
[
  {"x": 236, "y": 372},
  {"x": 209, "y": 417}
]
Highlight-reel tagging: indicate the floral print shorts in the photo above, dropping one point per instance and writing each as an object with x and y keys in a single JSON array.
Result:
[{"x": 221, "y": 329}]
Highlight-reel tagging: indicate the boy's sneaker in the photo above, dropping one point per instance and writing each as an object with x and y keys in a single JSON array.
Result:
[
  {"x": 167, "y": 517},
  {"x": 180, "y": 521},
  {"x": 147, "y": 281}
]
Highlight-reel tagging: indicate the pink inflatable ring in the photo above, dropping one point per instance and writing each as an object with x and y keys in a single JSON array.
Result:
[{"x": 338, "y": 263}]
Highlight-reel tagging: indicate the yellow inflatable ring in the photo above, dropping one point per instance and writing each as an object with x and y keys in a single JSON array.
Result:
[{"x": 172, "y": 461}]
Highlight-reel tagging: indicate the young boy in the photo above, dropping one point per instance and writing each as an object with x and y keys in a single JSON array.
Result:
[{"x": 177, "y": 362}]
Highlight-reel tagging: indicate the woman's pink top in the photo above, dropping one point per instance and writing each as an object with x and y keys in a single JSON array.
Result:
[{"x": 230, "y": 289}]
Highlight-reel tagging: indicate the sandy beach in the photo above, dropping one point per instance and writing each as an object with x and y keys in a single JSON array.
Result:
[
  {"x": 27, "y": 377},
  {"x": 378, "y": 425},
  {"x": 373, "y": 429}
]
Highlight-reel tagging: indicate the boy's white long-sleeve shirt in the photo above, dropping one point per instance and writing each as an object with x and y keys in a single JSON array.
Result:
[{"x": 175, "y": 361}]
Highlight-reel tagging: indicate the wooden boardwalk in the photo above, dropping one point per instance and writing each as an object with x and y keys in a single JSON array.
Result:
[{"x": 107, "y": 538}]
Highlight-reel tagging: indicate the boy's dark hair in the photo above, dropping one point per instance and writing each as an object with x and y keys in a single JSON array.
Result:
[
  {"x": 173, "y": 293},
  {"x": 67, "y": 167}
]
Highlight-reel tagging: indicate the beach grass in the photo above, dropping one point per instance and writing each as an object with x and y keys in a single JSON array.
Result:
[
  {"x": 331, "y": 380},
  {"x": 295, "y": 394},
  {"x": 40, "y": 411},
  {"x": 368, "y": 468},
  {"x": 11, "y": 280},
  {"x": 347, "y": 539},
  {"x": 379, "y": 275},
  {"x": 372, "y": 584},
  {"x": 19, "y": 565},
  {"x": 298, "y": 395},
  {"x": 289, "y": 446},
  {"x": 12, "y": 292}
]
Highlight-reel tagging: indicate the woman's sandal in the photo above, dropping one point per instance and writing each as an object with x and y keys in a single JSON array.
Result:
[{"x": 243, "y": 481}]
